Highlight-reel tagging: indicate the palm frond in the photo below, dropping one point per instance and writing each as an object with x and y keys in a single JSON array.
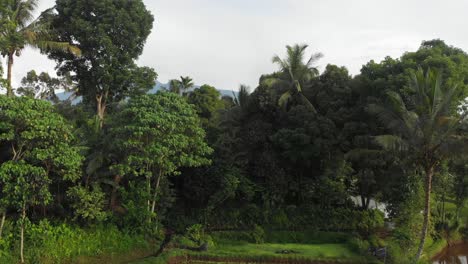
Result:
[
  {"x": 285, "y": 99},
  {"x": 388, "y": 117},
  {"x": 54, "y": 45},
  {"x": 24, "y": 11}
]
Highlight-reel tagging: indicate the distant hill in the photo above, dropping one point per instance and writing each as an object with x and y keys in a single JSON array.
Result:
[{"x": 159, "y": 86}]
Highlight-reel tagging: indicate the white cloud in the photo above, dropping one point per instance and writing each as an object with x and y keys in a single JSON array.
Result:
[{"x": 228, "y": 42}]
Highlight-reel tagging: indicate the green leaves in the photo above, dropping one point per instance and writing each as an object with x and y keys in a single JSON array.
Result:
[
  {"x": 295, "y": 73},
  {"x": 24, "y": 184},
  {"x": 110, "y": 35},
  {"x": 161, "y": 134},
  {"x": 427, "y": 124},
  {"x": 18, "y": 30},
  {"x": 40, "y": 149}
]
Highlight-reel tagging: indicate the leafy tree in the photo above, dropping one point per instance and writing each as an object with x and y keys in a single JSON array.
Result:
[
  {"x": 294, "y": 74},
  {"x": 111, "y": 35},
  {"x": 40, "y": 151},
  {"x": 161, "y": 134},
  {"x": 207, "y": 101},
  {"x": 427, "y": 129},
  {"x": 19, "y": 29},
  {"x": 24, "y": 185},
  {"x": 393, "y": 74},
  {"x": 43, "y": 86}
]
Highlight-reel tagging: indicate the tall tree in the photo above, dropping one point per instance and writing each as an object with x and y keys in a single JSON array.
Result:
[
  {"x": 19, "y": 29},
  {"x": 295, "y": 73},
  {"x": 162, "y": 133},
  {"x": 186, "y": 83},
  {"x": 425, "y": 128},
  {"x": 111, "y": 35}
]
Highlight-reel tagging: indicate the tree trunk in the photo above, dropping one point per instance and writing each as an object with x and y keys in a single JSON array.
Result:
[
  {"x": 23, "y": 218},
  {"x": 101, "y": 101},
  {"x": 148, "y": 189},
  {"x": 9, "y": 74},
  {"x": 443, "y": 208},
  {"x": 364, "y": 202},
  {"x": 153, "y": 206},
  {"x": 427, "y": 210},
  {"x": 2, "y": 223},
  {"x": 113, "y": 199}
]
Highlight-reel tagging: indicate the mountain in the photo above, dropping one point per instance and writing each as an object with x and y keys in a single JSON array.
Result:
[{"x": 159, "y": 86}]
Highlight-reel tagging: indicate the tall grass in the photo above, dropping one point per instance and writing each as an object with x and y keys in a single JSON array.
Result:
[{"x": 47, "y": 243}]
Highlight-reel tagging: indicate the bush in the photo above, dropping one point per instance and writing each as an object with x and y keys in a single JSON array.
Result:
[
  {"x": 358, "y": 245},
  {"x": 368, "y": 221},
  {"x": 196, "y": 233},
  {"x": 258, "y": 235},
  {"x": 230, "y": 237},
  {"x": 137, "y": 219},
  {"x": 398, "y": 254},
  {"x": 88, "y": 204}
]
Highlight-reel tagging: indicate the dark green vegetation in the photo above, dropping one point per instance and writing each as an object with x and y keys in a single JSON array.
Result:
[{"x": 263, "y": 176}]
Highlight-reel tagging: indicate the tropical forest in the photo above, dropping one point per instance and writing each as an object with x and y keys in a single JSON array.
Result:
[{"x": 100, "y": 162}]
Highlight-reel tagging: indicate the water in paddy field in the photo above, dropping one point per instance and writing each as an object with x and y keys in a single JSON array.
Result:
[{"x": 453, "y": 255}]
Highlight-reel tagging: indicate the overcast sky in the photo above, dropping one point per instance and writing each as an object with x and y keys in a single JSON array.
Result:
[{"x": 228, "y": 42}]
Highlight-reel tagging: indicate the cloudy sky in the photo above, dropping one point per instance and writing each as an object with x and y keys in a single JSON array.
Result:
[{"x": 228, "y": 42}]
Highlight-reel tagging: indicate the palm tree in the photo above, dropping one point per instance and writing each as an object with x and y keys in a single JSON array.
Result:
[
  {"x": 175, "y": 86},
  {"x": 185, "y": 84},
  {"x": 18, "y": 30},
  {"x": 428, "y": 129},
  {"x": 295, "y": 73},
  {"x": 242, "y": 97}
]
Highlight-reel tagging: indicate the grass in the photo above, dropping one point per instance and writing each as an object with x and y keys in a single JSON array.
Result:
[
  {"x": 315, "y": 251},
  {"x": 432, "y": 248},
  {"x": 315, "y": 247},
  {"x": 237, "y": 252}
]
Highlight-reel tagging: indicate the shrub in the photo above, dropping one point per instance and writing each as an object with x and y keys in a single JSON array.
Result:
[
  {"x": 358, "y": 245},
  {"x": 369, "y": 220},
  {"x": 88, "y": 204},
  {"x": 196, "y": 233},
  {"x": 258, "y": 234}
]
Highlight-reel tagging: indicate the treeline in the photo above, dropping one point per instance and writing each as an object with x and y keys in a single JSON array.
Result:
[{"x": 288, "y": 155}]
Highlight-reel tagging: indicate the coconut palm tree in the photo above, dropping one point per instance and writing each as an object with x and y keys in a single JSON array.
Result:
[
  {"x": 185, "y": 84},
  {"x": 18, "y": 30},
  {"x": 427, "y": 128},
  {"x": 295, "y": 73}
]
